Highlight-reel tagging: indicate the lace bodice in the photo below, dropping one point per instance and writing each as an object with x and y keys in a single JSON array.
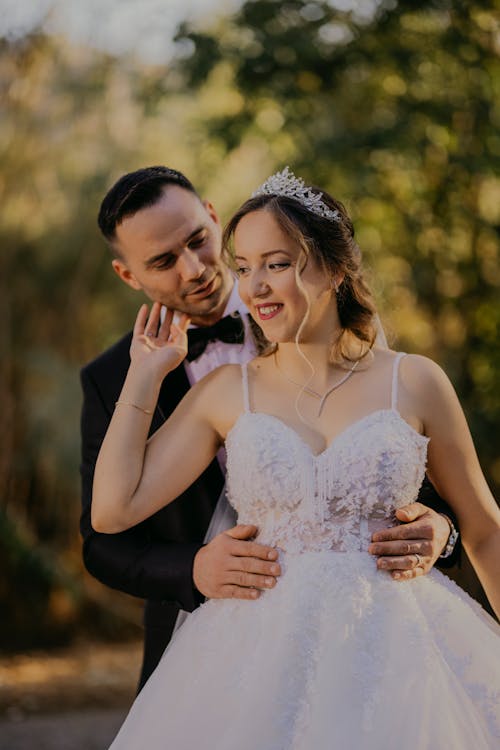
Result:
[{"x": 333, "y": 500}]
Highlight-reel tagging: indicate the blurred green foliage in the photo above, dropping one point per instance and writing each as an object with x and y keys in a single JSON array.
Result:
[
  {"x": 396, "y": 112},
  {"x": 399, "y": 116}
]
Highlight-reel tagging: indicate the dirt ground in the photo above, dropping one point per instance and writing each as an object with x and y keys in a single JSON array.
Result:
[
  {"x": 85, "y": 729},
  {"x": 73, "y": 699}
]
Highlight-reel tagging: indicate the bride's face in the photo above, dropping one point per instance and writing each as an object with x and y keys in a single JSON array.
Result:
[{"x": 278, "y": 285}]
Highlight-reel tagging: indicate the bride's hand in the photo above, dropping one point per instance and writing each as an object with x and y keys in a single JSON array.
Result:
[{"x": 159, "y": 346}]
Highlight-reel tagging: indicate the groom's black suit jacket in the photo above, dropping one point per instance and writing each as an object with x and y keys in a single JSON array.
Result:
[{"x": 153, "y": 560}]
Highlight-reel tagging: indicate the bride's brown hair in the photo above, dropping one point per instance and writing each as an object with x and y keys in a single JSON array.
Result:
[{"x": 330, "y": 243}]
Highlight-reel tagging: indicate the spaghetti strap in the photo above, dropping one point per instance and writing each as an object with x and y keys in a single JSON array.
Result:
[
  {"x": 395, "y": 371},
  {"x": 246, "y": 394}
]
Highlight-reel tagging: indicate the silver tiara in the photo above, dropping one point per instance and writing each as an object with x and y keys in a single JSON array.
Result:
[{"x": 285, "y": 183}]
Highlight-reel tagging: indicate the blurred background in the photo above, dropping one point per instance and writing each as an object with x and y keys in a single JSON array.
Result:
[{"x": 392, "y": 106}]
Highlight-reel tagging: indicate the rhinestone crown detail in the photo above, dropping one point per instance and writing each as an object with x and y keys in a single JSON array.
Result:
[{"x": 286, "y": 184}]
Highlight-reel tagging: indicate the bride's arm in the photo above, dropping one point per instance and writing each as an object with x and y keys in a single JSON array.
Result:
[
  {"x": 135, "y": 477},
  {"x": 454, "y": 469}
]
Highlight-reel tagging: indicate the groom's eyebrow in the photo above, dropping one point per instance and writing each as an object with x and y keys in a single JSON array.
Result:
[{"x": 169, "y": 254}]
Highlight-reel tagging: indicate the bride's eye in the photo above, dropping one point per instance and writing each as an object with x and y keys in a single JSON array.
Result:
[
  {"x": 240, "y": 270},
  {"x": 279, "y": 266}
]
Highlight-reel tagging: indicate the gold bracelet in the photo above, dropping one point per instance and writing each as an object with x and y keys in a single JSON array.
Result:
[{"x": 129, "y": 403}]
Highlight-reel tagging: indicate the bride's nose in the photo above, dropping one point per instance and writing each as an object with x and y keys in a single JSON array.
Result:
[{"x": 258, "y": 286}]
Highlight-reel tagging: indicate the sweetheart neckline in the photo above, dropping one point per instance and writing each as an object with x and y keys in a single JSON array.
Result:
[{"x": 337, "y": 437}]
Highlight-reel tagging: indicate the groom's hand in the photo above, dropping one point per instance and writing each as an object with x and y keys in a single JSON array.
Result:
[
  {"x": 411, "y": 549},
  {"x": 231, "y": 565}
]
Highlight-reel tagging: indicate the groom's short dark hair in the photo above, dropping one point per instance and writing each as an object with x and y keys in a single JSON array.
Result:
[{"x": 135, "y": 191}]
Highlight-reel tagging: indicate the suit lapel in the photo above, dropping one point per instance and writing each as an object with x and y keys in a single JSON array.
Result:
[{"x": 172, "y": 390}]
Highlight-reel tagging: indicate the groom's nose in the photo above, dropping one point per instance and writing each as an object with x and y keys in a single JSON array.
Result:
[{"x": 189, "y": 265}]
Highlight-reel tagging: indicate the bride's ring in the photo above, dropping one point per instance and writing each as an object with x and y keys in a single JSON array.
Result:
[
  {"x": 151, "y": 334},
  {"x": 419, "y": 559}
]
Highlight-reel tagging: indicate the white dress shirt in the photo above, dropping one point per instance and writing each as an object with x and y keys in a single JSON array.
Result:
[{"x": 219, "y": 353}]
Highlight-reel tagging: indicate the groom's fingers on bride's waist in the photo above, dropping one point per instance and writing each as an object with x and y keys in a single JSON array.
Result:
[
  {"x": 414, "y": 530},
  {"x": 255, "y": 566},
  {"x": 251, "y": 580},
  {"x": 406, "y": 564},
  {"x": 406, "y": 575},
  {"x": 238, "y": 592},
  {"x": 401, "y": 547},
  {"x": 242, "y": 548}
]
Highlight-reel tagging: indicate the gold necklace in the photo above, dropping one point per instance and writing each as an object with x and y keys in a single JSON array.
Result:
[{"x": 321, "y": 397}]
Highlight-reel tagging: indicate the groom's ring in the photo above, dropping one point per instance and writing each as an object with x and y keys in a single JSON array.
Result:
[{"x": 419, "y": 559}]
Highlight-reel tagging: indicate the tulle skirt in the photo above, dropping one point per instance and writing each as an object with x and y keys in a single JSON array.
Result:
[{"x": 337, "y": 656}]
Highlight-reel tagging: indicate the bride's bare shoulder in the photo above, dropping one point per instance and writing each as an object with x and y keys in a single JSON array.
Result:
[
  {"x": 220, "y": 380},
  {"x": 219, "y": 394},
  {"x": 413, "y": 367},
  {"x": 231, "y": 375},
  {"x": 421, "y": 370},
  {"x": 426, "y": 385}
]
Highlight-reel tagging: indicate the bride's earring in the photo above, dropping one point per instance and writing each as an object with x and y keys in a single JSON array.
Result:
[{"x": 336, "y": 283}]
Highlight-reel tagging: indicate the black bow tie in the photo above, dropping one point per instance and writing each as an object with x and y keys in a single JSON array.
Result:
[{"x": 229, "y": 329}]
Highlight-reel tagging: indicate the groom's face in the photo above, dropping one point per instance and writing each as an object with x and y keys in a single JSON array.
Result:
[{"x": 172, "y": 252}]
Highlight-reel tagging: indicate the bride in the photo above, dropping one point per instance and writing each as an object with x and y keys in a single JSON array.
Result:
[{"x": 326, "y": 435}]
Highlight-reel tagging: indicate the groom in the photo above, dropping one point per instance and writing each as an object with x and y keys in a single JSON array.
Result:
[{"x": 166, "y": 241}]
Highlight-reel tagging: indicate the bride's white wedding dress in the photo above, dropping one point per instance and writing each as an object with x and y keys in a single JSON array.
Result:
[{"x": 338, "y": 655}]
